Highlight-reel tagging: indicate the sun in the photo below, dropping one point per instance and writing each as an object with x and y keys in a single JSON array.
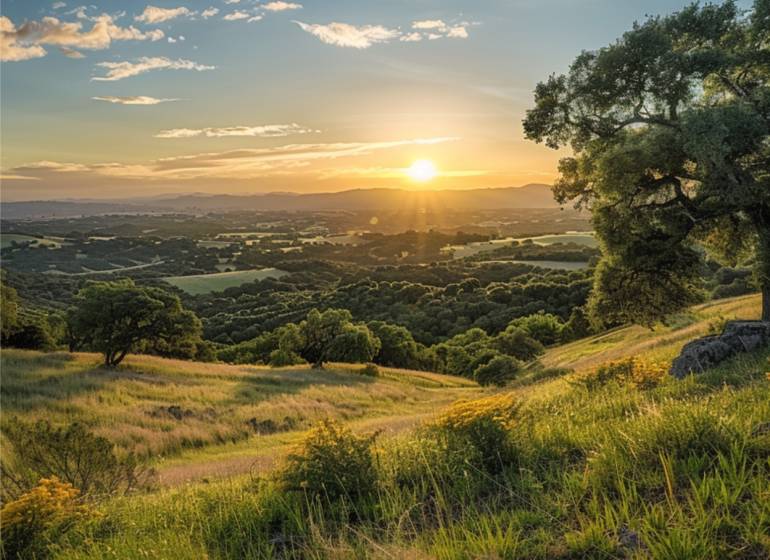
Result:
[{"x": 422, "y": 170}]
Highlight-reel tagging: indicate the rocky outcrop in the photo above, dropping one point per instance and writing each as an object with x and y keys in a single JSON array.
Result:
[{"x": 738, "y": 336}]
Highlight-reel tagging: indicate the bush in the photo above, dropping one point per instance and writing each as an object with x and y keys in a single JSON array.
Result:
[
  {"x": 370, "y": 370},
  {"x": 644, "y": 374},
  {"x": 39, "y": 517},
  {"x": 497, "y": 371},
  {"x": 333, "y": 463},
  {"x": 484, "y": 425},
  {"x": 72, "y": 454}
]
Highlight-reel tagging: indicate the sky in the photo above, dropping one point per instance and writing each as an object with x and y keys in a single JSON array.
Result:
[{"x": 117, "y": 98}]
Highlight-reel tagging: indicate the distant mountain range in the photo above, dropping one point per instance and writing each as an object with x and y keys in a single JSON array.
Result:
[{"x": 533, "y": 195}]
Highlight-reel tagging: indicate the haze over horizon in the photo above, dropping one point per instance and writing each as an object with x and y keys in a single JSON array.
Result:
[{"x": 118, "y": 99}]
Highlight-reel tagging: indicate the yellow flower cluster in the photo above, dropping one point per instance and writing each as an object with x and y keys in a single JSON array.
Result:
[
  {"x": 49, "y": 503},
  {"x": 639, "y": 372},
  {"x": 500, "y": 409}
]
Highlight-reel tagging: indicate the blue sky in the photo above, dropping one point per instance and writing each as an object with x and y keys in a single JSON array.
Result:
[{"x": 116, "y": 98}]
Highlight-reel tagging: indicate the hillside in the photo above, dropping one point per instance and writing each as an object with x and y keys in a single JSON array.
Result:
[
  {"x": 204, "y": 420},
  {"x": 559, "y": 465},
  {"x": 380, "y": 199}
]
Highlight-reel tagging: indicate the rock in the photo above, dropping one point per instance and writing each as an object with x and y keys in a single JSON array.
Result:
[{"x": 737, "y": 336}]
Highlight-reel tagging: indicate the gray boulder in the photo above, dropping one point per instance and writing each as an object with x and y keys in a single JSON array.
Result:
[{"x": 737, "y": 336}]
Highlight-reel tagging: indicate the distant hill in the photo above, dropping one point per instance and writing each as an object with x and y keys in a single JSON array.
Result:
[{"x": 528, "y": 196}]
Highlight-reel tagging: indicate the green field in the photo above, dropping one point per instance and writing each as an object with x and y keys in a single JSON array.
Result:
[
  {"x": 8, "y": 239},
  {"x": 470, "y": 249},
  {"x": 207, "y": 283}
]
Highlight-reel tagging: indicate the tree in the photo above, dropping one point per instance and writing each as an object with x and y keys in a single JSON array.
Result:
[
  {"x": 497, "y": 371},
  {"x": 543, "y": 327},
  {"x": 9, "y": 312},
  {"x": 116, "y": 318},
  {"x": 397, "y": 346},
  {"x": 517, "y": 343},
  {"x": 354, "y": 344},
  {"x": 669, "y": 130}
]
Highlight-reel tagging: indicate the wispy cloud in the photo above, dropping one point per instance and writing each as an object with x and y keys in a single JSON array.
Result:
[
  {"x": 71, "y": 53},
  {"x": 233, "y": 164},
  {"x": 153, "y": 14},
  {"x": 121, "y": 70},
  {"x": 264, "y": 131},
  {"x": 58, "y": 5},
  {"x": 346, "y": 35},
  {"x": 281, "y": 6},
  {"x": 209, "y": 12},
  {"x": 133, "y": 99},
  {"x": 27, "y": 41},
  {"x": 237, "y": 15},
  {"x": 438, "y": 29}
]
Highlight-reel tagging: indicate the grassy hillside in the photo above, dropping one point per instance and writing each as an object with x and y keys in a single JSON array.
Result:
[
  {"x": 197, "y": 284},
  {"x": 574, "y": 466},
  {"x": 198, "y": 420}
]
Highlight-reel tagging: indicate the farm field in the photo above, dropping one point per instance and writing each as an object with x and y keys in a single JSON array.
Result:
[
  {"x": 469, "y": 249},
  {"x": 8, "y": 239},
  {"x": 206, "y": 283}
]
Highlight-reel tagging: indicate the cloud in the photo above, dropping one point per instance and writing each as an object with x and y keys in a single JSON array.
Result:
[
  {"x": 232, "y": 164},
  {"x": 71, "y": 53},
  {"x": 429, "y": 24},
  {"x": 209, "y": 12},
  {"x": 234, "y": 16},
  {"x": 263, "y": 131},
  {"x": 58, "y": 5},
  {"x": 26, "y": 41},
  {"x": 232, "y": 1},
  {"x": 120, "y": 70},
  {"x": 411, "y": 37},
  {"x": 133, "y": 99},
  {"x": 281, "y": 6},
  {"x": 457, "y": 32},
  {"x": 346, "y": 35},
  {"x": 153, "y": 14}
]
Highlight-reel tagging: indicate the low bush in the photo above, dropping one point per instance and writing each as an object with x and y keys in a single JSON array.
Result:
[
  {"x": 370, "y": 370},
  {"x": 484, "y": 425},
  {"x": 332, "y": 463},
  {"x": 72, "y": 454},
  {"x": 497, "y": 371},
  {"x": 643, "y": 374},
  {"x": 39, "y": 518}
]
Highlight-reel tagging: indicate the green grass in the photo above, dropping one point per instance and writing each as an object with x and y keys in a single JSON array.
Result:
[
  {"x": 680, "y": 470},
  {"x": 206, "y": 283}
]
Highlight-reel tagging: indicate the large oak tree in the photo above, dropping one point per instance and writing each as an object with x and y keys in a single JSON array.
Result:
[{"x": 669, "y": 129}]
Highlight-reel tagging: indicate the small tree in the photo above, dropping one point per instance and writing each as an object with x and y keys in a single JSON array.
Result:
[
  {"x": 354, "y": 344},
  {"x": 497, "y": 371},
  {"x": 670, "y": 128},
  {"x": 543, "y": 327},
  {"x": 398, "y": 348},
  {"x": 514, "y": 341},
  {"x": 116, "y": 318}
]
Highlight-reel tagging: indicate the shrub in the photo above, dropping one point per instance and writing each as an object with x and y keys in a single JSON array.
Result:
[
  {"x": 370, "y": 370},
  {"x": 497, "y": 371},
  {"x": 39, "y": 517},
  {"x": 332, "y": 462},
  {"x": 72, "y": 454},
  {"x": 641, "y": 373},
  {"x": 484, "y": 425}
]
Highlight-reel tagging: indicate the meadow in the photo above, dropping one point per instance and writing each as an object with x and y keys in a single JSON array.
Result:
[
  {"x": 197, "y": 284},
  {"x": 563, "y": 463}
]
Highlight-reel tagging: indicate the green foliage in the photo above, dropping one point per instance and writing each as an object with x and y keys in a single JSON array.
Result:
[
  {"x": 544, "y": 327},
  {"x": 514, "y": 341},
  {"x": 116, "y": 318},
  {"x": 669, "y": 127},
  {"x": 370, "y": 370},
  {"x": 397, "y": 346},
  {"x": 40, "y": 517},
  {"x": 333, "y": 464},
  {"x": 32, "y": 336},
  {"x": 355, "y": 343},
  {"x": 72, "y": 454},
  {"x": 497, "y": 371},
  {"x": 9, "y": 310}
]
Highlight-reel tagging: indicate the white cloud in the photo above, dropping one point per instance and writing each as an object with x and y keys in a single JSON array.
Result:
[
  {"x": 263, "y": 131},
  {"x": 346, "y": 35},
  {"x": 120, "y": 70},
  {"x": 26, "y": 41},
  {"x": 209, "y": 12},
  {"x": 429, "y": 24},
  {"x": 254, "y": 18},
  {"x": 280, "y": 6},
  {"x": 58, "y": 5},
  {"x": 411, "y": 37},
  {"x": 235, "y": 16},
  {"x": 153, "y": 14},
  {"x": 133, "y": 99},
  {"x": 233, "y": 164},
  {"x": 71, "y": 53},
  {"x": 457, "y": 32},
  {"x": 232, "y": 1}
]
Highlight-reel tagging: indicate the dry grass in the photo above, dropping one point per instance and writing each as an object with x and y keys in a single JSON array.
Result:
[{"x": 201, "y": 420}]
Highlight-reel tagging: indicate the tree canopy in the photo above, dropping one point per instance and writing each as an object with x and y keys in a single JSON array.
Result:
[
  {"x": 119, "y": 317},
  {"x": 669, "y": 129}
]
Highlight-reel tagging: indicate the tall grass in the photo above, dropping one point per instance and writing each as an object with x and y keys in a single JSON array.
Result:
[{"x": 680, "y": 470}]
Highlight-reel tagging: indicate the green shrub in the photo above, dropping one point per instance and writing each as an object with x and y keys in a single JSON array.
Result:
[
  {"x": 72, "y": 454},
  {"x": 332, "y": 463},
  {"x": 39, "y": 517},
  {"x": 497, "y": 371},
  {"x": 370, "y": 370}
]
